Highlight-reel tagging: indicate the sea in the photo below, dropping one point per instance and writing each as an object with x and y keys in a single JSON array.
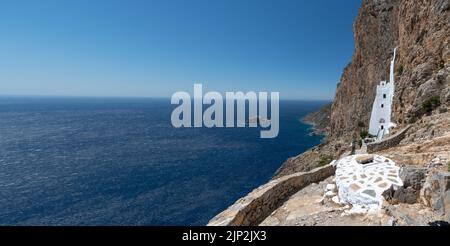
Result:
[{"x": 119, "y": 161}]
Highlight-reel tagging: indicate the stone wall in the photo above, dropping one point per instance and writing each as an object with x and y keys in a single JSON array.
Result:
[
  {"x": 260, "y": 203},
  {"x": 387, "y": 143}
]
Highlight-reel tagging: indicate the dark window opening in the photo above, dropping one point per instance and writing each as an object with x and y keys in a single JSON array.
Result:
[
  {"x": 382, "y": 105},
  {"x": 382, "y": 127},
  {"x": 384, "y": 96}
]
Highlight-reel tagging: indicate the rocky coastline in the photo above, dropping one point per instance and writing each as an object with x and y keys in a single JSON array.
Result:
[
  {"x": 319, "y": 120},
  {"x": 421, "y": 105}
]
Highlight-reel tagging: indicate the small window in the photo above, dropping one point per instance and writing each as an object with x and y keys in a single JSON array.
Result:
[
  {"x": 384, "y": 96},
  {"x": 382, "y": 105},
  {"x": 382, "y": 127}
]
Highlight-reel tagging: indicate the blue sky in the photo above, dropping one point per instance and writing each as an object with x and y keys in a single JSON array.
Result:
[{"x": 155, "y": 48}]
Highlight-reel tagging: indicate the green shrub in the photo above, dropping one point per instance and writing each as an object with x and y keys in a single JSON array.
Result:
[
  {"x": 363, "y": 134},
  {"x": 361, "y": 124},
  {"x": 360, "y": 143},
  {"x": 412, "y": 119},
  {"x": 400, "y": 70},
  {"x": 443, "y": 110},
  {"x": 447, "y": 8},
  {"x": 441, "y": 64},
  {"x": 421, "y": 36},
  {"x": 324, "y": 160},
  {"x": 431, "y": 103},
  {"x": 448, "y": 166}
]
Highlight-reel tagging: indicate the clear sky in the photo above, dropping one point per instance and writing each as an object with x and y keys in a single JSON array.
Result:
[{"x": 155, "y": 48}]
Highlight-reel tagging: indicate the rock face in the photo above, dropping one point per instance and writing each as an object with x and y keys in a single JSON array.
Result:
[
  {"x": 420, "y": 30},
  {"x": 413, "y": 181},
  {"x": 306, "y": 161},
  {"x": 436, "y": 193},
  {"x": 319, "y": 119}
]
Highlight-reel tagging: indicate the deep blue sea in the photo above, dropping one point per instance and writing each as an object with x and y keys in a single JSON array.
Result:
[{"x": 97, "y": 161}]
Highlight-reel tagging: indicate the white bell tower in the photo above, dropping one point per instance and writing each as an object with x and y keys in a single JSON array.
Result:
[{"x": 380, "y": 120}]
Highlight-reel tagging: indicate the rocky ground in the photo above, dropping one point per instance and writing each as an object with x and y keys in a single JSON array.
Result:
[
  {"x": 308, "y": 207},
  {"x": 427, "y": 144},
  {"x": 312, "y": 207},
  {"x": 424, "y": 155}
]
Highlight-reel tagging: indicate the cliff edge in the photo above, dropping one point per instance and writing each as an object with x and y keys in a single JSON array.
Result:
[
  {"x": 420, "y": 30},
  {"x": 320, "y": 120},
  {"x": 303, "y": 190}
]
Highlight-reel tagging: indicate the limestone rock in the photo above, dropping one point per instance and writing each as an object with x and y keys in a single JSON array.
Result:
[
  {"x": 364, "y": 159},
  {"x": 436, "y": 193},
  {"x": 335, "y": 199},
  {"x": 407, "y": 215},
  {"x": 420, "y": 30},
  {"x": 413, "y": 180},
  {"x": 329, "y": 194},
  {"x": 320, "y": 120},
  {"x": 330, "y": 187},
  {"x": 406, "y": 195}
]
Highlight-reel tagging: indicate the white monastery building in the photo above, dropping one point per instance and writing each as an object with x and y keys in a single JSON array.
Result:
[{"x": 380, "y": 120}]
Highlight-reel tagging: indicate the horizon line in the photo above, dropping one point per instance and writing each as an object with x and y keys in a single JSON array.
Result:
[{"x": 132, "y": 97}]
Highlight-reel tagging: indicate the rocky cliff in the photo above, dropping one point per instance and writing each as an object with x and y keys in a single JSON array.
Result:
[
  {"x": 320, "y": 119},
  {"x": 420, "y": 144},
  {"x": 421, "y": 31}
]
